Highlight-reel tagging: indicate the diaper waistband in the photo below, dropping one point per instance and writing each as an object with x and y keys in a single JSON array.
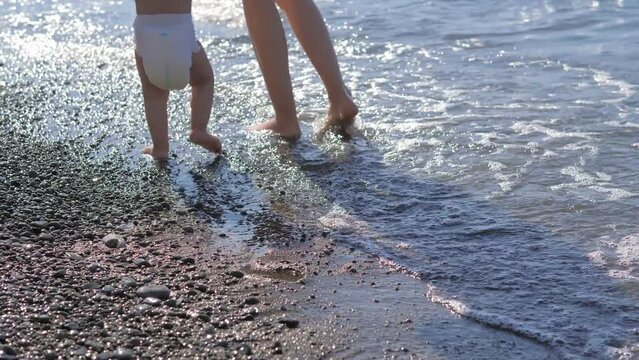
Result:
[{"x": 163, "y": 19}]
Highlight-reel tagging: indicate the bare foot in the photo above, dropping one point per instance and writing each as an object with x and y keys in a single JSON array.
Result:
[
  {"x": 158, "y": 155},
  {"x": 289, "y": 132},
  {"x": 210, "y": 142},
  {"x": 340, "y": 116}
]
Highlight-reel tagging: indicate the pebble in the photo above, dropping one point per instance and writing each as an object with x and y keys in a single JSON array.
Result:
[
  {"x": 46, "y": 237},
  {"x": 50, "y": 355},
  {"x": 157, "y": 291},
  {"x": 7, "y": 350},
  {"x": 128, "y": 282},
  {"x": 107, "y": 290},
  {"x": 113, "y": 241},
  {"x": 122, "y": 354},
  {"x": 94, "y": 268},
  {"x": 141, "y": 262},
  {"x": 153, "y": 301},
  {"x": 236, "y": 274},
  {"x": 40, "y": 224},
  {"x": 290, "y": 323},
  {"x": 252, "y": 301}
]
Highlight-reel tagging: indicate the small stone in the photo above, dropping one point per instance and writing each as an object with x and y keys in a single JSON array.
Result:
[
  {"x": 74, "y": 256},
  {"x": 46, "y": 237},
  {"x": 153, "y": 301},
  {"x": 252, "y": 301},
  {"x": 128, "y": 282},
  {"x": 42, "y": 319},
  {"x": 290, "y": 323},
  {"x": 7, "y": 350},
  {"x": 236, "y": 274},
  {"x": 157, "y": 291},
  {"x": 94, "y": 345},
  {"x": 113, "y": 241},
  {"x": 50, "y": 355},
  {"x": 141, "y": 262},
  {"x": 60, "y": 274},
  {"x": 94, "y": 268},
  {"x": 107, "y": 290},
  {"x": 40, "y": 224},
  {"x": 188, "y": 229},
  {"x": 122, "y": 354},
  {"x": 92, "y": 286},
  {"x": 105, "y": 356},
  {"x": 188, "y": 261}
]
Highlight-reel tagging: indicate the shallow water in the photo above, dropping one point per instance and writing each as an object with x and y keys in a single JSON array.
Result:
[{"x": 497, "y": 157}]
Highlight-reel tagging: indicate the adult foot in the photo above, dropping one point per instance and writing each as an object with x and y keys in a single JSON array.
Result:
[
  {"x": 210, "y": 142},
  {"x": 158, "y": 155},
  {"x": 288, "y": 131},
  {"x": 341, "y": 115}
]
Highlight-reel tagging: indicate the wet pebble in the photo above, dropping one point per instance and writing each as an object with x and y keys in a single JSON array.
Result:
[
  {"x": 153, "y": 301},
  {"x": 252, "y": 301},
  {"x": 157, "y": 291},
  {"x": 290, "y": 323}
]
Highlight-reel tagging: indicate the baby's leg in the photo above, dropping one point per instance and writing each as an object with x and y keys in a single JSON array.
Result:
[
  {"x": 155, "y": 107},
  {"x": 202, "y": 82}
]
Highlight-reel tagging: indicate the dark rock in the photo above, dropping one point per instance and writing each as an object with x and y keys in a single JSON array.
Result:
[
  {"x": 94, "y": 345},
  {"x": 41, "y": 319},
  {"x": 122, "y": 354},
  {"x": 113, "y": 241},
  {"x": 128, "y": 282},
  {"x": 107, "y": 290},
  {"x": 50, "y": 355},
  {"x": 290, "y": 323},
  {"x": 252, "y": 301},
  {"x": 60, "y": 274},
  {"x": 7, "y": 350},
  {"x": 188, "y": 261},
  {"x": 157, "y": 291},
  {"x": 141, "y": 262},
  {"x": 236, "y": 274},
  {"x": 46, "y": 237},
  {"x": 94, "y": 268}
]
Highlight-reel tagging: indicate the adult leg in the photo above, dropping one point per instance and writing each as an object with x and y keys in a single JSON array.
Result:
[
  {"x": 310, "y": 28},
  {"x": 155, "y": 107},
  {"x": 202, "y": 91},
  {"x": 269, "y": 42}
]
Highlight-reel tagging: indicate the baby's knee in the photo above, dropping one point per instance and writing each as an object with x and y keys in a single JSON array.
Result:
[{"x": 203, "y": 79}]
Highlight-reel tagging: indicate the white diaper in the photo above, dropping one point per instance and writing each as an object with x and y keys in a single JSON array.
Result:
[{"x": 166, "y": 43}]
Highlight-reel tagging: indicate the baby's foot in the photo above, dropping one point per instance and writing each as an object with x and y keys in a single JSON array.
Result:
[
  {"x": 158, "y": 155},
  {"x": 210, "y": 142},
  {"x": 287, "y": 131}
]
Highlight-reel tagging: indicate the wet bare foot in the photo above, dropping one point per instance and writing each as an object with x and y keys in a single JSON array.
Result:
[
  {"x": 340, "y": 116},
  {"x": 289, "y": 132},
  {"x": 210, "y": 142},
  {"x": 158, "y": 155}
]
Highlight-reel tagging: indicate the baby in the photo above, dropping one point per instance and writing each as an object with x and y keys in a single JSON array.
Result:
[{"x": 169, "y": 57}]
